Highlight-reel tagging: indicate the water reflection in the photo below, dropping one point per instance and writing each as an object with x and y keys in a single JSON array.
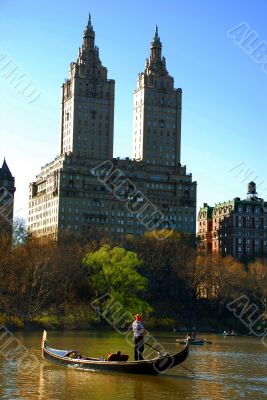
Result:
[
  {"x": 224, "y": 370},
  {"x": 57, "y": 383}
]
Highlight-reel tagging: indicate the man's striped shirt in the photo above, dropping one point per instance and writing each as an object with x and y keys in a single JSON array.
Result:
[{"x": 138, "y": 328}]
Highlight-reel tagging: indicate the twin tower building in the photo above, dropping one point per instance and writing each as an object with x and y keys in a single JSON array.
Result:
[{"x": 85, "y": 189}]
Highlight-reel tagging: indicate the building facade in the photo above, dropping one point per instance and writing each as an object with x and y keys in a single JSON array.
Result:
[
  {"x": 237, "y": 228},
  {"x": 157, "y": 112},
  {"x": 87, "y": 115},
  {"x": 7, "y": 191},
  {"x": 68, "y": 194}
]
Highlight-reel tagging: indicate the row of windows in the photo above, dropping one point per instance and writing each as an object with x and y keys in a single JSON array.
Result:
[
  {"x": 241, "y": 209},
  {"x": 85, "y": 115},
  {"x": 157, "y": 101},
  {"x": 161, "y": 186},
  {"x": 161, "y": 133},
  {"x": 104, "y": 219},
  {"x": 45, "y": 222},
  {"x": 42, "y": 203},
  {"x": 161, "y": 124},
  {"x": 124, "y": 229},
  {"x": 248, "y": 209},
  {"x": 120, "y": 212},
  {"x": 170, "y": 163},
  {"x": 93, "y": 100},
  {"x": 154, "y": 154}
]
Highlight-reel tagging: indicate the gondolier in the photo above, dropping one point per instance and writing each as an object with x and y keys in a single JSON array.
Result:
[{"x": 138, "y": 331}]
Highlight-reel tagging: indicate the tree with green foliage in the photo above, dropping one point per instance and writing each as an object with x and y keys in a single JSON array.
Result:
[{"x": 113, "y": 271}]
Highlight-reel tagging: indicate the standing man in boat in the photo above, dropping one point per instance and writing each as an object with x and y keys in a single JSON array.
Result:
[{"x": 138, "y": 331}]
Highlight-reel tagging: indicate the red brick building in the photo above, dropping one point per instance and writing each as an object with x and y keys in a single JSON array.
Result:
[{"x": 237, "y": 227}]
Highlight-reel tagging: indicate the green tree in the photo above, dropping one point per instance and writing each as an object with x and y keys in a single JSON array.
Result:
[{"x": 114, "y": 271}]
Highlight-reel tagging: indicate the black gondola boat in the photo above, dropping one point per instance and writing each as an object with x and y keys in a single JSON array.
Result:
[{"x": 150, "y": 367}]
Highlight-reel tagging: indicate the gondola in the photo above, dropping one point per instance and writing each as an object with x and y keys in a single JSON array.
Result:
[{"x": 150, "y": 367}]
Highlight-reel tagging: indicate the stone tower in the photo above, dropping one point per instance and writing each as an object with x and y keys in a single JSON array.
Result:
[
  {"x": 67, "y": 196},
  {"x": 157, "y": 112},
  {"x": 87, "y": 115},
  {"x": 7, "y": 190}
]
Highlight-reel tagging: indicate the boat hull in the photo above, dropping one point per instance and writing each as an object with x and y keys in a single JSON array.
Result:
[{"x": 149, "y": 367}]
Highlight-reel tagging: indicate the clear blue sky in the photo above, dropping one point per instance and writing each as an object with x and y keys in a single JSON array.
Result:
[{"x": 224, "y": 90}]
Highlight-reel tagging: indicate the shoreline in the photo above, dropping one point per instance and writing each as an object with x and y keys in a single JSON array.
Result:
[{"x": 18, "y": 325}]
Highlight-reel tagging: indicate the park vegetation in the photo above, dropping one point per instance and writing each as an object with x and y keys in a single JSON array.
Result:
[{"x": 44, "y": 283}]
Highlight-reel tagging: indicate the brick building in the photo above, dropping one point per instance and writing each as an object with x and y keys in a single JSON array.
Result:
[{"x": 237, "y": 227}]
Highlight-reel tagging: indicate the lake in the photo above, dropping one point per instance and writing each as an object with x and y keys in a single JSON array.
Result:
[{"x": 229, "y": 368}]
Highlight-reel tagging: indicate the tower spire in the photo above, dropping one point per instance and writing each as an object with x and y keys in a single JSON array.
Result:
[
  {"x": 89, "y": 35},
  {"x": 155, "y": 47},
  {"x": 5, "y": 169},
  {"x": 156, "y": 32},
  {"x": 89, "y": 24}
]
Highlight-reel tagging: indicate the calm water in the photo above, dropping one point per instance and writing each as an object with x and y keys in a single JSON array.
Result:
[{"x": 229, "y": 368}]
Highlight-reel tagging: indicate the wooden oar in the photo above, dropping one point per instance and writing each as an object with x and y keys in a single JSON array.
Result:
[
  {"x": 157, "y": 350},
  {"x": 187, "y": 369},
  {"x": 166, "y": 354}
]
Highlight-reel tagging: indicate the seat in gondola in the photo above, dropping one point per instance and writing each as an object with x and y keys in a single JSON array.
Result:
[{"x": 117, "y": 357}]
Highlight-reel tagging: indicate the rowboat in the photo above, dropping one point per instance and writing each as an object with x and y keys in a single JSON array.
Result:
[
  {"x": 229, "y": 333},
  {"x": 193, "y": 342},
  {"x": 153, "y": 366}
]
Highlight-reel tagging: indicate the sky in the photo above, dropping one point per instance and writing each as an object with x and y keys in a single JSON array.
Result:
[{"x": 210, "y": 49}]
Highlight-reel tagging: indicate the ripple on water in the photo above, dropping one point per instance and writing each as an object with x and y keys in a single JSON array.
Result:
[{"x": 224, "y": 371}]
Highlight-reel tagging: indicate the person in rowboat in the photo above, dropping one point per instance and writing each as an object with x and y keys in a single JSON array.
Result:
[
  {"x": 191, "y": 336},
  {"x": 138, "y": 332}
]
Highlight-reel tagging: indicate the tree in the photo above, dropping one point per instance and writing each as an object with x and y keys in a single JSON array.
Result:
[
  {"x": 114, "y": 271},
  {"x": 20, "y": 232},
  {"x": 226, "y": 279},
  {"x": 257, "y": 283},
  {"x": 164, "y": 264}
]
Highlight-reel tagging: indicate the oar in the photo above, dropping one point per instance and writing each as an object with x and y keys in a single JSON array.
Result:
[
  {"x": 166, "y": 354},
  {"x": 204, "y": 340},
  {"x": 157, "y": 350},
  {"x": 187, "y": 369}
]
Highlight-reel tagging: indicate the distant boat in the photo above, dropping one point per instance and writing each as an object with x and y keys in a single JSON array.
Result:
[
  {"x": 229, "y": 333},
  {"x": 192, "y": 342},
  {"x": 72, "y": 358}
]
